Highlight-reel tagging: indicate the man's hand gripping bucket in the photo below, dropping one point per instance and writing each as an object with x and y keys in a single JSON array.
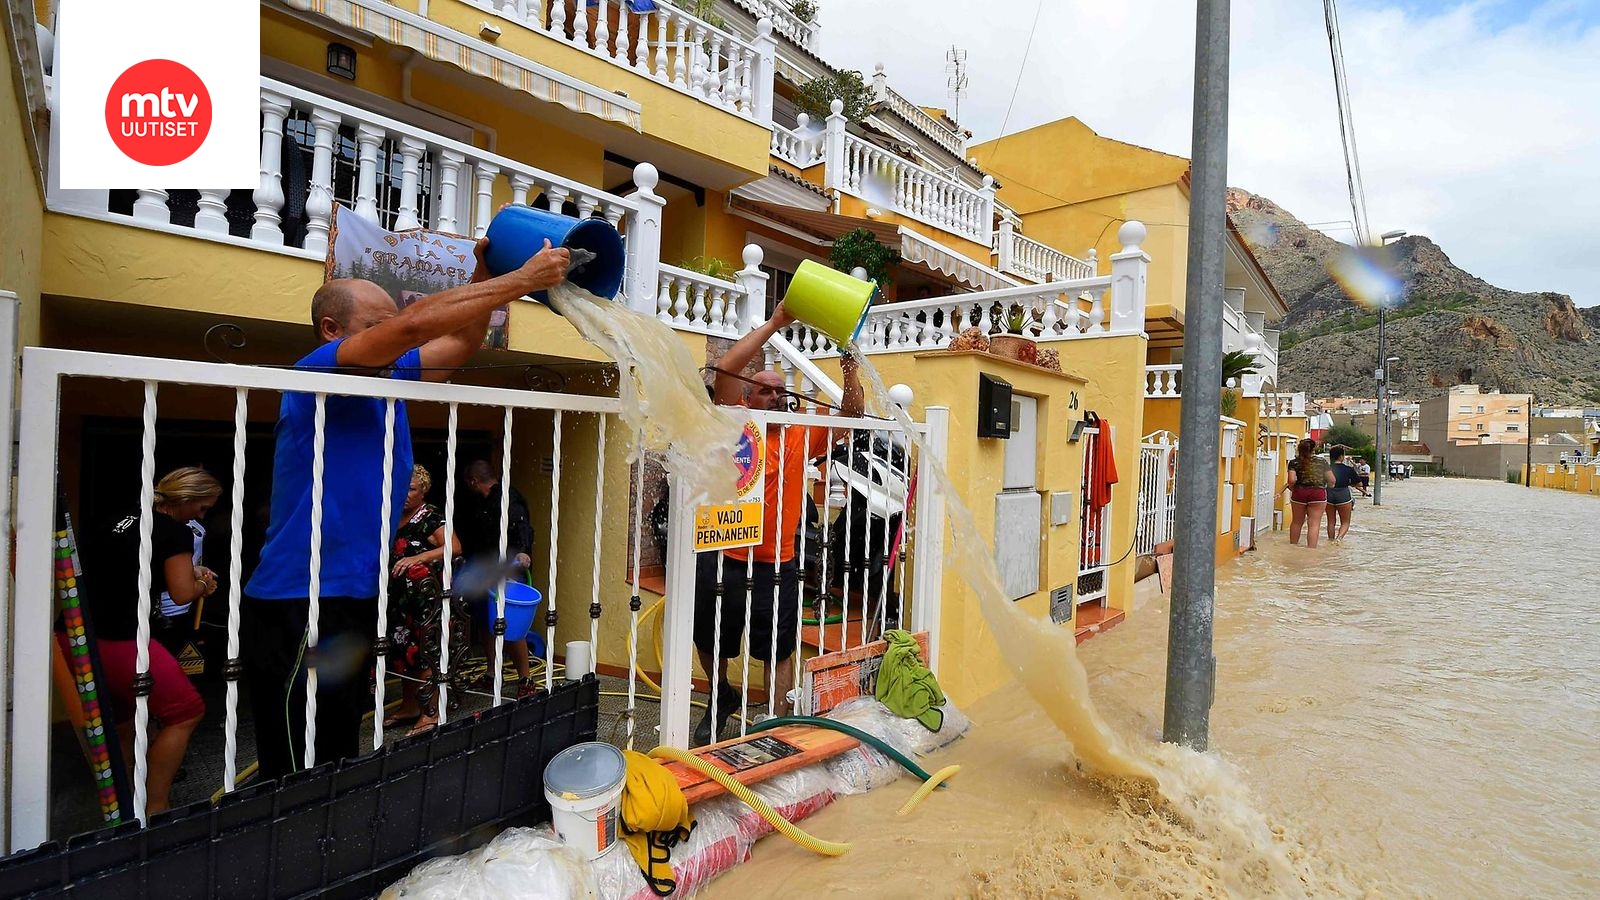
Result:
[
  {"x": 830, "y": 301},
  {"x": 598, "y": 255}
]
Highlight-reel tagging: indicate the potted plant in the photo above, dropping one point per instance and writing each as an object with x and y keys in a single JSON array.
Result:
[
  {"x": 804, "y": 10},
  {"x": 1015, "y": 342},
  {"x": 1236, "y": 364},
  {"x": 859, "y": 249}
]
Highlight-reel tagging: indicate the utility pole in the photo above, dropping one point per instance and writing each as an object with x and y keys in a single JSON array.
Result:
[
  {"x": 1527, "y": 473},
  {"x": 1382, "y": 375},
  {"x": 1191, "y": 667}
]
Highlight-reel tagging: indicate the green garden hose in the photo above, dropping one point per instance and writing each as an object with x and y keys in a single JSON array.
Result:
[{"x": 835, "y": 725}]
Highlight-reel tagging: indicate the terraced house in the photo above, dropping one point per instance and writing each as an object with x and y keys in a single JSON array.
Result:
[{"x": 727, "y": 150}]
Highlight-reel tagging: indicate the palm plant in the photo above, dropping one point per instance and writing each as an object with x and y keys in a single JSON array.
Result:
[{"x": 1236, "y": 364}]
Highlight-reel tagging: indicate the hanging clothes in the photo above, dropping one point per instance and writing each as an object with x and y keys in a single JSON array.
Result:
[{"x": 1103, "y": 472}]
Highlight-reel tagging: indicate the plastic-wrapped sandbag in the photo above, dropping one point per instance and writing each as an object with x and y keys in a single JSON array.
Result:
[
  {"x": 862, "y": 769},
  {"x": 714, "y": 847},
  {"x": 906, "y": 735},
  {"x": 529, "y": 863},
  {"x": 794, "y": 795}
]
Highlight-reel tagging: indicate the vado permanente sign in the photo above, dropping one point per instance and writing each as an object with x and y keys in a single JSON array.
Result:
[{"x": 155, "y": 93}]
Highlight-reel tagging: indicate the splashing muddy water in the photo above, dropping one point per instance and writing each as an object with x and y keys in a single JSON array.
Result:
[
  {"x": 1414, "y": 711},
  {"x": 662, "y": 395}
]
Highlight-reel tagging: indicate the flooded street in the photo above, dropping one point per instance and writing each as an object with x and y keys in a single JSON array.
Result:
[{"x": 1414, "y": 712}]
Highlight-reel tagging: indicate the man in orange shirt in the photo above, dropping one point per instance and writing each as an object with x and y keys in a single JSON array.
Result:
[{"x": 753, "y": 570}]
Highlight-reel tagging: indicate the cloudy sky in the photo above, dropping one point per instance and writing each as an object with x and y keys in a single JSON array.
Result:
[{"x": 1478, "y": 122}]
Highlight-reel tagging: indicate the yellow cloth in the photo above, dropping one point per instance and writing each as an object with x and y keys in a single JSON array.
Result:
[{"x": 655, "y": 817}]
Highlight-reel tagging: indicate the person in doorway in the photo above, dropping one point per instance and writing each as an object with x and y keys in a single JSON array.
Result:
[
  {"x": 417, "y": 623},
  {"x": 480, "y": 528},
  {"x": 361, "y": 331},
  {"x": 111, "y": 599},
  {"x": 175, "y": 623},
  {"x": 1363, "y": 479},
  {"x": 1341, "y": 504},
  {"x": 1309, "y": 479},
  {"x": 767, "y": 572}
]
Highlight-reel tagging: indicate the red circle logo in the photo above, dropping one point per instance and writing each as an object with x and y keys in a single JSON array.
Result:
[{"x": 158, "y": 112}]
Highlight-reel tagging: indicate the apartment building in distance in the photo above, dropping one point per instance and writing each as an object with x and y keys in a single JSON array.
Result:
[{"x": 1470, "y": 415}]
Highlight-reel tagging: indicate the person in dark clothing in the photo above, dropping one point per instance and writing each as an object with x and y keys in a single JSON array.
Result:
[
  {"x": 479, "y": 526},
  {"x": 111, "y": 598},
  {"x": 1341, "y": 505},
  {"x": 361, "y": 331}
]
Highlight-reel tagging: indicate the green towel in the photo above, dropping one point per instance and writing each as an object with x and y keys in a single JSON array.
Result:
[{"x": 905, "y": 685}]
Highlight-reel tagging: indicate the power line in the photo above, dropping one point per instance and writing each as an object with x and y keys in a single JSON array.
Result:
[{"x": 1347, "y": 126}]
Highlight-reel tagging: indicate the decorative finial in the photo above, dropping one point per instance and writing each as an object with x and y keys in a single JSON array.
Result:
[
  {"x": 646, "y": 177},
  {"x": 836, "y": 107},
  {"x": 1132, "y": 235},
  {"x": 753, "y": 255},
  {"x": 764, "y": 26}
]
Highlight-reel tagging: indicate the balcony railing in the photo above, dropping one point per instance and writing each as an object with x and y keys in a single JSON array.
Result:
[
  {"x": 1030, "y": 259},
  {"x": 953, "y": 143},
  {"x": 880, "y": 177},
  {"x": 690, "y": 301},
  {"x": 665, "y": 44},
  {"x": 801, "y": 147},
  {"x": 1163, "y": 381},
  {"x": 317, "y": 151},
  {"x": 784, "y": 21}
]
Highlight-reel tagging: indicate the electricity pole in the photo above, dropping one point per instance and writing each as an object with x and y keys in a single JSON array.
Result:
[
  {"x": 1381, "y": 470},
  {"x": 1191, "y": 667}
]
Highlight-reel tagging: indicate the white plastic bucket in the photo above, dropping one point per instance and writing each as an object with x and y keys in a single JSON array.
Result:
[
  {"x": 584, "y": 786},
  {"x": 578, "y": 661}
]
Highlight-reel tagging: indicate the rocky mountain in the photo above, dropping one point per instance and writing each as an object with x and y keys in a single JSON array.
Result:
[{"x": 1450, "y": 327}]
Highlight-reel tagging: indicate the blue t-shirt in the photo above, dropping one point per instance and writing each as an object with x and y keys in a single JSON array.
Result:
[{"x": 352, "y": 488}]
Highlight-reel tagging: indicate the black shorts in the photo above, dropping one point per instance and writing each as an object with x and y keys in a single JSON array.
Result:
[{"x": 733, "y": 593}]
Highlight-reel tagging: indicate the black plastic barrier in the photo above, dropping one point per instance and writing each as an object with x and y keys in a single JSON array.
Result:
[{"x": 346, "y": 829}]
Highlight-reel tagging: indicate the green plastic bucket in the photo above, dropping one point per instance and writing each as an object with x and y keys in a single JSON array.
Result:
[{"x": 828, "y": 300}]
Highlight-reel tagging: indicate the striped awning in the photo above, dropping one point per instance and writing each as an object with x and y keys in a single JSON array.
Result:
[
  {"x": 916, "y": 248},
  {"x": 397, "y": 26}
]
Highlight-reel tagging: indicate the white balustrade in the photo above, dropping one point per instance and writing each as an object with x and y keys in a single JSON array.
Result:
[
  {"x": 670, "y": 46},
  {"x": 1163, "y": 381},
  {"x": 1030, "y": 259},
  {"x": 800, "y": 147},
  {"x": 952, "y": 142},
  {"x": 693, "y": 302},
  {"x": 883, "y": 178},
  {"x": 799, "y": 31}
]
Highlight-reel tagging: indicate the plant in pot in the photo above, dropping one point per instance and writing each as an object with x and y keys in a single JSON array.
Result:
[
  {"x": 804, "y": 10},
  {"x": 1236, "y": 364},
  {"x": 859, "y": 248},
  {"x": 1015, "y": 342}
]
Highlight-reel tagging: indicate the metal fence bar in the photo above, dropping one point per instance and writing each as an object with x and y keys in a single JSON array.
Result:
[
  {"x": 233, "y": 668},
  {"x": 634, "y": 603},
  {"x": 599, "y": 512},
  {"x": 381, "y": 642},
  {"x": 142, "y": 682},
  {"x": 555, "y": 522},
  {"x": 314, "y": 587},
  {"x": 499, "y": 673}
]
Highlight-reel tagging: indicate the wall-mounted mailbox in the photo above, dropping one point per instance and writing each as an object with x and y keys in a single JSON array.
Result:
[{"x": 994, "y": 407}]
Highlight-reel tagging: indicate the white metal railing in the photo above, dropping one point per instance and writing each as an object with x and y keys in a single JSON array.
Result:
[
  {"x": 1158, "y": 460},
  {"x": 1163, "y": 381},
  {"x": 317, "y": 151},
  {"x": 1017, "y": 254},
  {"x": 1094, "y": 522},
  {"x": 801, "y": 147},
  {"x": 1266, "y": 489},
  {"x": 665, "y": 44},
  {"x": 879, "y": 514},
  {"x": 43, "y": 373},
  {"x": 875, "y": 514},
  {"x": 881, "y": 177}
]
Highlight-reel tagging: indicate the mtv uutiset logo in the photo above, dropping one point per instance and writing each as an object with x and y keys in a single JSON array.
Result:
[
  {"x": 154, "y": 93},
  {"x": 158, "y": 112}
]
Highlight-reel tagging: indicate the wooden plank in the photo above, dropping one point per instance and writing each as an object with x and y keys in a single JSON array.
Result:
[{"x": 756, "y": 757}]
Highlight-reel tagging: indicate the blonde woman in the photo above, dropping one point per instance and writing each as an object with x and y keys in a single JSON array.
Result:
[
  {"x": 111, "y": 598},
  {"x": 416, "y": 601}
]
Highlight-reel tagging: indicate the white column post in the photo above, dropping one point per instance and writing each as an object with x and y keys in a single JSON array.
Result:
[
  {"x": 368, "y": 140},
  {"x": 763, "y": 70},
  {"x": 10, "y": 311},
  {"x": 411, "y": 151},
  {"x": 644, "y": 244},
  {"x": 986, "y": 210},
  {"x": 834, "y": 176},
  {"x": 319, "y": 202},
  {"x": 880, "y": 84},
  {"x": 928, "y": 583},
  {"x": 1002, "y": 244},
  {"x": 754, "y": 282},
  {"x": 268, "y": 197},
  {"x": 677, "y": 621},
  {"x": 212, "y": 216},
  {"x": 1128, "y": 270}
]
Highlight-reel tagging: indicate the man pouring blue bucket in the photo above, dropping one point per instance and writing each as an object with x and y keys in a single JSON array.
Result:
[{"x": 361, "y": 331}]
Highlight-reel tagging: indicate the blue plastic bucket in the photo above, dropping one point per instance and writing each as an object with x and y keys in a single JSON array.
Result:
[
  {"x": 521, "y": 602},
  {"x": 519, "y": 232}
]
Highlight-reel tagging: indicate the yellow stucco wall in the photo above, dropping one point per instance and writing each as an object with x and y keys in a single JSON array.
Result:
[
  {"x": 21, "y": 226},
  {"x": 970, "y": 662},
  {"x": 1580, "y": 479}
]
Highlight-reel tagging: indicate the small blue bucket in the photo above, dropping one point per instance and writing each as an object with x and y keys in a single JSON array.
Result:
[
  {"x": 519, "y": 232},
  {"x": 521, "y": 602}
]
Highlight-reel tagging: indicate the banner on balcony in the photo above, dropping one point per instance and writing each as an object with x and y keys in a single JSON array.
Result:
[
  {"x": 408, "y": 264},
  {"x": 722, "y": 526}
]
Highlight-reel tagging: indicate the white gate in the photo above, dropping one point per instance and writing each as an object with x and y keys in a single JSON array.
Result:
[
  {"x": 1266, "y": 482},
  {"x": 1094, "y": 542},
  {"x": 1158, "y": 457}
]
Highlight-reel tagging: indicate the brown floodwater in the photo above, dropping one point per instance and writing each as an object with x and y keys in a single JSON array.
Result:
[{"x": 1413, "y": 713}]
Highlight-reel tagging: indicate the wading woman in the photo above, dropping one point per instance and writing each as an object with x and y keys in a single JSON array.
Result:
[
  {"x": 175, "y": 706},
  {"x": 1341, "y": 504},
  {"x": 1309, "y": 479}
]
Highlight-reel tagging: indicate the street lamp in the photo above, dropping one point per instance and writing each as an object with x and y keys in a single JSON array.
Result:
[{"x": 1382, "y": 378}]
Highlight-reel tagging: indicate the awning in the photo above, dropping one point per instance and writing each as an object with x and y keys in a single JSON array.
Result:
[
  {"x": 782, "y": 189},
  {"x": 916, "y": 251},
  {"x": 397, "y": 26}
]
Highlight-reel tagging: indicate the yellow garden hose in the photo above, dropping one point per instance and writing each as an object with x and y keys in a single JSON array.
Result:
[
  {"x": 787, "y": 828},
  {"x": 922, "y": 793}
]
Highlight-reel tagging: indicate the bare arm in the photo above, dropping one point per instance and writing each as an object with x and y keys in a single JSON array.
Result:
[
  {"x": 728, "y": 387},
  {"x": 183, "y": 585},
  {"x": 443, "y": 324}
]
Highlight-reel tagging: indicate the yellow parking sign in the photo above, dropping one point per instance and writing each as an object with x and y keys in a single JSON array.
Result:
[{"x": 720, "y": 526}]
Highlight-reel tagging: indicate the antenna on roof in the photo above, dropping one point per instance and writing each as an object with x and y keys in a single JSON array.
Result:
[{"x": 955, "y": 65}]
